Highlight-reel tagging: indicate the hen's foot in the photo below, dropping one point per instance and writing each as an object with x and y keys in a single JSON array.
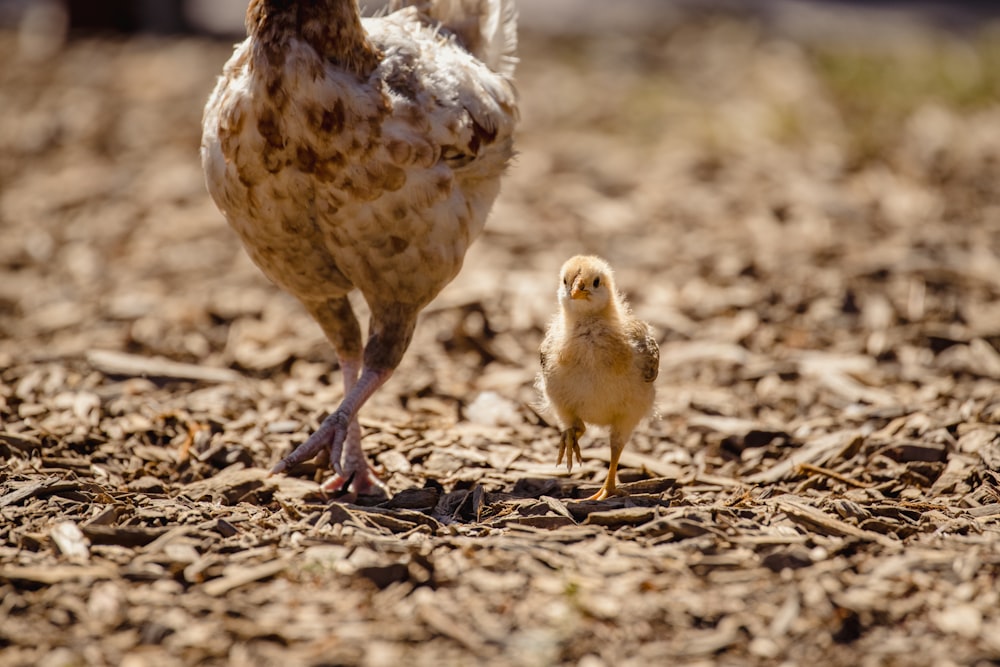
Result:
[
  {"x": 347, "y": 486},
  {"x": 326, "y": 445}
]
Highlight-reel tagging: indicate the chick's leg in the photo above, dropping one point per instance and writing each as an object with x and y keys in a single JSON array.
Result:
[{"x": 609, "y": 488}]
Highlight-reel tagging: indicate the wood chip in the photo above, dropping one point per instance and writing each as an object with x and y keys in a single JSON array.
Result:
[
  {"x": 119, "y": 363},
  {"x": 56, "y": 574},
  {"x": 815, "y": 453},
  {"x": 830, "y": 525},
  {"x": 236, "y": 576},
  {"x": 27, "y": 491},
  {"x": 625, "y": 516}
]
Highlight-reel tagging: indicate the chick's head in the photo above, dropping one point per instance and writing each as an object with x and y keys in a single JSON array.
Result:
[{"x": 587, "y": 285}]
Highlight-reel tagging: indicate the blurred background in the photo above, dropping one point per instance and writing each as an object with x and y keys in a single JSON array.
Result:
[
  {"x": 225, "y": 17},
  {"x": 798, "y": 174},
  {"x": 773, "y": 174}
]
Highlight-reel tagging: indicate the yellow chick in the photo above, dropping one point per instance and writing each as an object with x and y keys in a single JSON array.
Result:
[{"x": 598, "y": 363}]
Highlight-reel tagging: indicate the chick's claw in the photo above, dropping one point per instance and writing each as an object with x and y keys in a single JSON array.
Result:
[
  {"x": 604, "y": 493},
  {"x": 569, "y": 445}
]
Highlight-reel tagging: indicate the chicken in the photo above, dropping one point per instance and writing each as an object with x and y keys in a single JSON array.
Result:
[
  {"x": 352, "y": 153},
  {"x": 598, "y": 363}
]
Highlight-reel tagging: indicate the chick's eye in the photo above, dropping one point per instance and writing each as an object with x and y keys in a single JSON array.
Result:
[{"x": 597, "y": 282}]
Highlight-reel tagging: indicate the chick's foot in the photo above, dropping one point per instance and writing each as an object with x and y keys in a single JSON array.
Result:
[
  {"x": 608, "y": 490},
  {"x": 569, "y": 445}
]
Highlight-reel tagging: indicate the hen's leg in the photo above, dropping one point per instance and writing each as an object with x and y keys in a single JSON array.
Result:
[
  {"x": 349, "y": 368},
  {"x": 390, "y": 335},
  {"x": 355, "y": 470},
  {"x": 336, "y": 317},
  {"x": 334, "y": 436},
  {"x": 352, "y": 460}
]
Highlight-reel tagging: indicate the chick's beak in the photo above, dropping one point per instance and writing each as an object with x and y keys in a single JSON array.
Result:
[{"x": 579, "y": 292}]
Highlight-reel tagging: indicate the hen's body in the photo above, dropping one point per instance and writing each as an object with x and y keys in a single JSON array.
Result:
[{"x": 365, "y": 154}]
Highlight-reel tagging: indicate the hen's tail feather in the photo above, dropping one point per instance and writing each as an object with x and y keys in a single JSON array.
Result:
[{"x": 487, "y": 28}]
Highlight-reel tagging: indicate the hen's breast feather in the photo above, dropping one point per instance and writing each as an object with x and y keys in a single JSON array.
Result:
[{"x": 338, "y": 182}]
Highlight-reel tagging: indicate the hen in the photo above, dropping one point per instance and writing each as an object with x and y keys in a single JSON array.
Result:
[
  {"x": 598, "y": 363},
  {"x": 352, "y": 153}
]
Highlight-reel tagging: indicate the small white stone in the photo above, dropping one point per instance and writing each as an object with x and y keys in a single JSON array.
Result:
[
  {"x": 964, "y": 620},
  {"x": 70, "y": 540},
  {"x": 764, "y": 647},
  {"x": 491, "y": 409}
]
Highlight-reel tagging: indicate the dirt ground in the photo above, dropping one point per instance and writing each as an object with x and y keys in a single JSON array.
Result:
[{"x": 812, "y": 229}]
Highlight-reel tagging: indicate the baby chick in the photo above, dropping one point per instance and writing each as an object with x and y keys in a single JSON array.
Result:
[{"x": 598, "y": 363}]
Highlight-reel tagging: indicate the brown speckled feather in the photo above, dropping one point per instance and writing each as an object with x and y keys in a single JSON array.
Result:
[
  {"x": 647, "y": 352},
  {"x": 349, "y": 153}
]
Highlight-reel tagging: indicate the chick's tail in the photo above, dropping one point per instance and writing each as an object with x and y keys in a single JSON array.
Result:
[{"x": 487, "y": 28}]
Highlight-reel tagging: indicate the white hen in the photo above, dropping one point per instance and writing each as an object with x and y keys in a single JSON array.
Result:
[{"x": 352, "y": 153}]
